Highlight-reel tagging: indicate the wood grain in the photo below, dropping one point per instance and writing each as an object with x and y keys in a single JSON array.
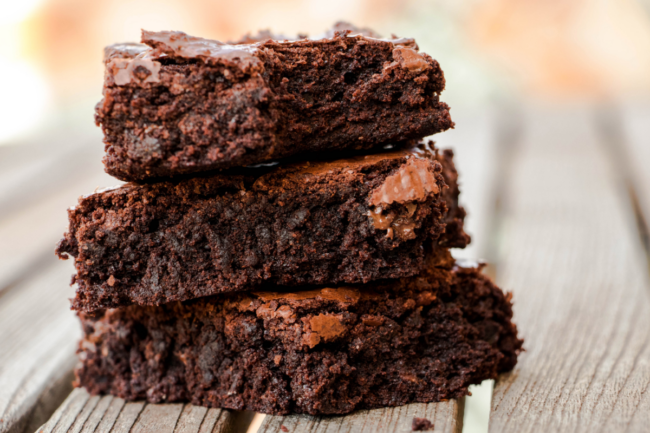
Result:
[
  {"x": 38, "y": 332},
  {"x": 38, "y": 340},
  {"x": 571, "y": 255},
  {"x": 82, "y": 413},
  {"x": 444, "y": 416}
]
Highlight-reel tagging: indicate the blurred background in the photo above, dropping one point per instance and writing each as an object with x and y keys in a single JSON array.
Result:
[
  {"x": 493, "y": 52},
  {"x": 51, "y": 50}
]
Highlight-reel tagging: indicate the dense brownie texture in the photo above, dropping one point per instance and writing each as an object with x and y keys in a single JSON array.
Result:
[
  {"x": 328, "y": 222},
  {"x": 326, "y": 351},
  {"x": 181, "y": 104}
]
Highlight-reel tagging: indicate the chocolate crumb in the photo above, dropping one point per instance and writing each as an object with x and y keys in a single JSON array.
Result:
[
  {"x": 283, "y": 428},
  {"x": 421, "y": 424}
]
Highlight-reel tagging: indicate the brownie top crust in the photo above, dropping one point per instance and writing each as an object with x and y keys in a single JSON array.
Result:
[
  {"x": 178, "y": 104},
  {"x": 132, "y": 63}
]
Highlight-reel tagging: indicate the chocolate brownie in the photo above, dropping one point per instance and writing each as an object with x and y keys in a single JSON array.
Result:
[
  {"x": 421, "y": 424},
  {"x": 325, "y": 351},
  {"x": 328, "y": 222},
  {"x": 180, "y": 104}
]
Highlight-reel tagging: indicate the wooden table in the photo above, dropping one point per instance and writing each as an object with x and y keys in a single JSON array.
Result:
[{"x": 559, "y": 203}]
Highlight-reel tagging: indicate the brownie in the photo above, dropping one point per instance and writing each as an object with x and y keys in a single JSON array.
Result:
[
  {"x": 322, "y": 351},
  {"x": 180, "y": 104},
  {"x": 421, "y": 424},
  {"x": 312, "y": 223}
]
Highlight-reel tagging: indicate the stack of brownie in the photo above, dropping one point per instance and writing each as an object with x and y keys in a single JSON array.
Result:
[{"x": 283, "y": 242}]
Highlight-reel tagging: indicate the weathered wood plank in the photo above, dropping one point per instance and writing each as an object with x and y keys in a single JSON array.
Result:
[
  {"x": 478, "y": 157},
  {"x": 108, "y": 417},
  {"x": 571, "y": 255},
  {"x": 102, "y": 409},
  {"x": 81, "y": 413},
  {"x": 396, "y": 419},
  {"x": 191, "y": 419},
  {"x": 38, "y": 339},
  {"x": 474, "y": 142},
  {"x": 220, "y": 421},
  {"x": 49, "y": 398},
  {"x": 75, "y": 402},
  {"x": 127, "y": 416},
  {"x": 79, "y": 423}
]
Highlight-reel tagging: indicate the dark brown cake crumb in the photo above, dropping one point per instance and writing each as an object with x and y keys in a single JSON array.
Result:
[
  {"x": 322, "y": 351},
  {"x": 329, "y": 222},
  {"x": 421, "y": 424},
  {"x": 180, "y": 104}
]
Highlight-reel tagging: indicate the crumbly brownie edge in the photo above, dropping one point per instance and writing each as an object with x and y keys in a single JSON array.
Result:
[{"x": 454, "y": 236}]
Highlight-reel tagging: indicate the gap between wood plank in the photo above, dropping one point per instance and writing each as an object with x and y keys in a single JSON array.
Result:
[
  {"x": 508, "y": 128},
  {"x": 610, "y": 121},
  {"x": 508, "y": 135}
]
